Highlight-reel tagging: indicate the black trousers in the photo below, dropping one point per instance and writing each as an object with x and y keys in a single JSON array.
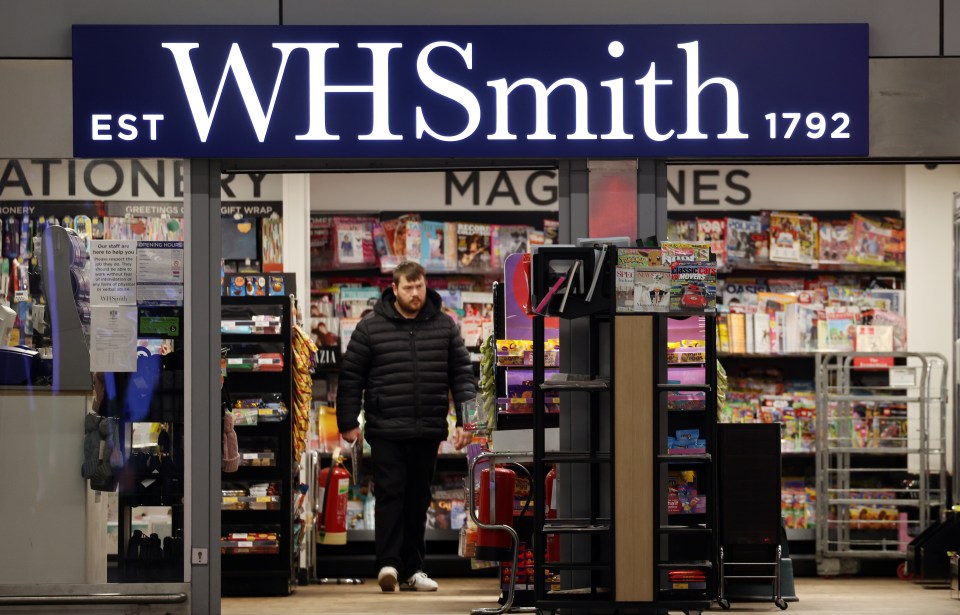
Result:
[{"x": 402, "y": 474}]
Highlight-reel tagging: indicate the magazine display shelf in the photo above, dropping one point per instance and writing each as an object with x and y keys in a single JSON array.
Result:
[
  {"x": 257, "y": 528},
  {"x": 881, "y": 457},
  {"x": 644, "y": 556},
  {"x": 798, "y": 365}
]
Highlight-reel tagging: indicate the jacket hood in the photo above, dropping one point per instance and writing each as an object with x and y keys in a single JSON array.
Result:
[{"x": 386, "y": 307}]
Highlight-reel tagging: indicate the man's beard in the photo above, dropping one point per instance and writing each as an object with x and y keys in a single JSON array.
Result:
[{"x": 410, "y": 307}]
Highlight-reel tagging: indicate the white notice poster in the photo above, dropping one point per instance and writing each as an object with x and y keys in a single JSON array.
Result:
[
  {"x": 113, "y": 268},
  {"x": 113, "y": 338},
  {"x": 160, "y": 273}
]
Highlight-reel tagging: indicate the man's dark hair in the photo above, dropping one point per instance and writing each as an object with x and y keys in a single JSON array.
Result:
[{"x": 409, "y": 270}]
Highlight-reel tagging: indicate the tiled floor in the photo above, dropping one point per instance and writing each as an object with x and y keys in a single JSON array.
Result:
[{"x": 850, "y": 596}]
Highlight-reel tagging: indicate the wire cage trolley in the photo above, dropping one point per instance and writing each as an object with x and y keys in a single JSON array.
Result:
[{"x": 881, "y": 455}]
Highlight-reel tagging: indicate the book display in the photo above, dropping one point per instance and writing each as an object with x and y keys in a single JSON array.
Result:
[{"x": 792, "y": 287}]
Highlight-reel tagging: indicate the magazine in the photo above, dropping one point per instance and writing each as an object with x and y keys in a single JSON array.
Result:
[
  {"x": 809, "y": 238},
  {"x": 874, "y": 338},
  {"x": 510, "y": 239},
  {"x": 740, "y": 238},
  {"x": 380, "y": 241},
  {"x": 325, "y": 332},
  {"x": 878, "y": 243},
  {"x": 321, "y": 242},
  {"x": 389, "y": 228},
  {"x": 452, "y": 304},
  {"x": 808, "y": 316},
  {"x": 347, "y": 327},
  {"x": 551, "y": 231},
  {"x": 684, "y": 251},
  {"x": 638, "y": 257},
  {"x": 651, "y": 289},
  {"x": 473, "y": 246},
  {"x": 414, "y": 241},
  {"x": 323, "y": 303},
  {"x": 841, "y": 328},
  {"x": 899, "y": 324},
  {"x": 693, "y": 286},
  {"x": 624, "y": 288},
  {"x": 349, "y": 242},
  {"x": 785, "y": 237},
  {"x": 742, "y": 291},
  {"x": 895, "y": 299},
  {"x": 834, "y": 242},
  {"x": 714, "y": 232},
  {"x": 477, "y": 304},
  {"x": 681, "y": 230},
  {"x": 355, "y": 301},
  {"x": 433, "y": 248}
]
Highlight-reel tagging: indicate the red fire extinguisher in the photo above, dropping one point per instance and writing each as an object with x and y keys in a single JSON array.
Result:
[
  {"x": 553, "y": 540},
  {"x": 495, "y": 545},
  {"x": 333, "y": 484}
]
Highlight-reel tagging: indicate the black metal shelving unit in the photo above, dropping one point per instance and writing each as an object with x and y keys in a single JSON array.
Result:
[
  {"x": 245, "y": 571},
  {"x": 675, "y": 541}
]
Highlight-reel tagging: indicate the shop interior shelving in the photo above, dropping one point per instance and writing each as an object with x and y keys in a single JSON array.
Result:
[
  {"x": 257, "y": 525},
  {"x": 798, "y": 465}
]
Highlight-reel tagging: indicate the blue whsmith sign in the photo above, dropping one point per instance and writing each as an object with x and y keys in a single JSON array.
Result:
[{"x": 505, "y": 91}]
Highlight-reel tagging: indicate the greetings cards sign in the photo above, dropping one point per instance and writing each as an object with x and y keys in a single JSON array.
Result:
[{"x": 479, "y": 91}]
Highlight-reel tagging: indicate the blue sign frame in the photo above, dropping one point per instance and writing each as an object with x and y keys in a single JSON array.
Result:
[{"x": 638, "y": 91}]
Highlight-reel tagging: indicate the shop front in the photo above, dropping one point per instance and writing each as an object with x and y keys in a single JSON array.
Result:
[{"x": 583, "y": 118}]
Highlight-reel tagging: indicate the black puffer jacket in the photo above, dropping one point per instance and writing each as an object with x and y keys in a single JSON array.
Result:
[{"x": 404, "y": 369}]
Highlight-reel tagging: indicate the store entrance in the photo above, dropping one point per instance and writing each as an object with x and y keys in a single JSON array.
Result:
[{"x": 337, "y": 240}]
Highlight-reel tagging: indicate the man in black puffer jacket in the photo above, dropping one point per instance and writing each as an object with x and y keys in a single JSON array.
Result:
[{"x": 404, "y": 359}]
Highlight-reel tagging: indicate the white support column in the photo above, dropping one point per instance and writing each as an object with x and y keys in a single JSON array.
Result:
[
  {"x": 928, "y": 210},
  {"x": 296, "y": 236}
]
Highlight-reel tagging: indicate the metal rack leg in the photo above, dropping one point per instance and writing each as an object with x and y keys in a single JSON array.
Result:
[
  {"x": 721, "y": 585},
  {"x": 777, "y": 594}
]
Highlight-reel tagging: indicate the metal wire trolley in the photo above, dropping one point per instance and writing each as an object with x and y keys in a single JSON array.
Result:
[{"x": 881, "y": 455}]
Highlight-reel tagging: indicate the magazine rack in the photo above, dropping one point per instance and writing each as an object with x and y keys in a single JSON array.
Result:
[{"x": 640, "y": 546}]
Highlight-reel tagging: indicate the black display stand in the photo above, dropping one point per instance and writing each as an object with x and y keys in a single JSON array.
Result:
[
  {"x": 754, "y": 557},
  {"x": 255, "y": 572},
  {"x": 637, "y": 549}
]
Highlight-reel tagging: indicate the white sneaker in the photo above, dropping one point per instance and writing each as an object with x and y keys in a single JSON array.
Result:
[
  {"x": 387, "y": 578},
  {"x": 419, "y": 582}
]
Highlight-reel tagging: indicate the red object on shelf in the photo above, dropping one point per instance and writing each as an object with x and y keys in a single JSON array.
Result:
[
  {"x": 873, "y": 362},
  {"x": 686, "y": 576}
]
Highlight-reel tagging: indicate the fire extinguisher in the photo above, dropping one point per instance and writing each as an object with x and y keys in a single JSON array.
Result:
[
  {"x": 495, "y": 545},
  {"x": 551, "y": 490},
  {"x": 333, "y": 484}
]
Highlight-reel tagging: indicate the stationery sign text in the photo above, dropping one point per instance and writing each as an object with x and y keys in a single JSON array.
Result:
[{"x": 472, "y": 91}]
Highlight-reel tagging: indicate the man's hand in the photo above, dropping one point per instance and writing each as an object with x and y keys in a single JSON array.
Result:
[
  {"x": 352, "y": 435},
  {"x": 461, "y": 438}
]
